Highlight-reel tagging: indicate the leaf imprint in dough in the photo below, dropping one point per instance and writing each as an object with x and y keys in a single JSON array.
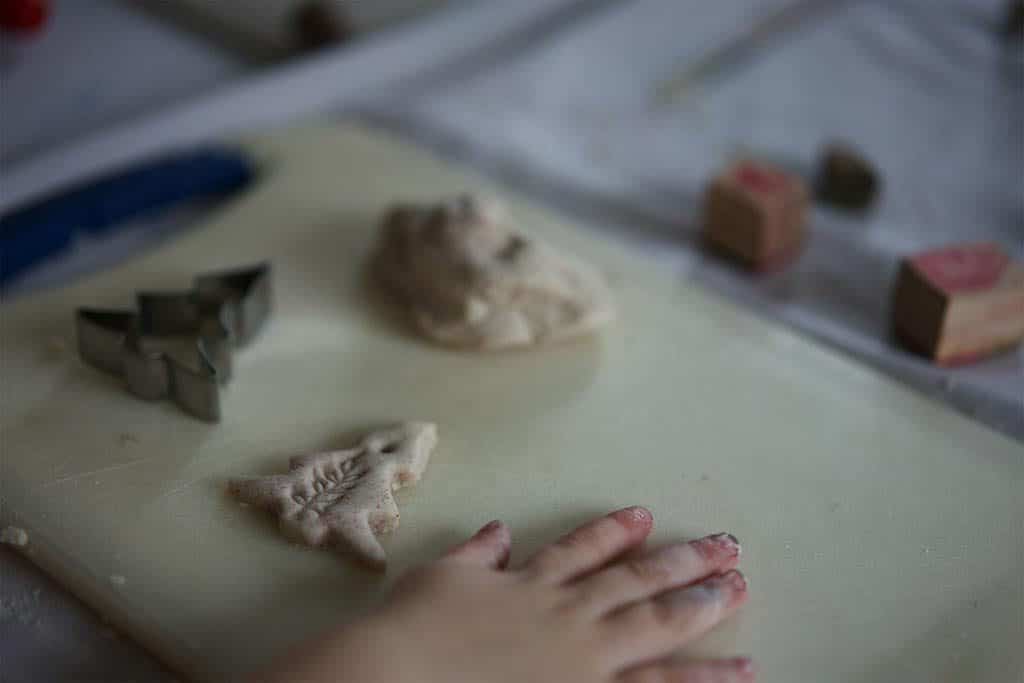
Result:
[{"x": 344, "y": 498}]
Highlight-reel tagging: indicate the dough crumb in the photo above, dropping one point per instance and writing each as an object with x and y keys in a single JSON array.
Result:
[
  {"x": 15, "y": 536},
  {"x": 470, "y": 280},
  {"x": 118, "y": 580}
]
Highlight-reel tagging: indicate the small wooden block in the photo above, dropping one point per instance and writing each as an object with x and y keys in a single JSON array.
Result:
[
  {"x": 846, "y": 179},
  {"x": 755, "y": 214},
  {"x": 319, "y": 24},
  {"x": 1013, "y": 25},
  {"x": 958, "y": 304}
]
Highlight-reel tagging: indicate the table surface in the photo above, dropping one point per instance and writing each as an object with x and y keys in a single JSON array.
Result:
[{"x": 45, "y": 634}]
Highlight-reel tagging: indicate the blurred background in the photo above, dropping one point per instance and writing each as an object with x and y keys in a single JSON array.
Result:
[{"x": 617, "y": 113}]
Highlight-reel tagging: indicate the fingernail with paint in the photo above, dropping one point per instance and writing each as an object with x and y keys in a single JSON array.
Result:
[
  {"x": 722, "y": 543},
  {"x": 745, "y": 667},
  {"x": 635, "y": 513},
  {"x": 730, "y": 587},
  {"x": 737, "y": 584},
  {"x": 490, "y": 526}
]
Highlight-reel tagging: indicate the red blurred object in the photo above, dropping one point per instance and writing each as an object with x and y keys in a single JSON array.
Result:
[{"x": 24, "y": 15}]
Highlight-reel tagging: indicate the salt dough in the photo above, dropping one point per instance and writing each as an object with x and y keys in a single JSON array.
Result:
[
  {"x": 344, "y": 498},
  {"x": 469, "y": 280}
]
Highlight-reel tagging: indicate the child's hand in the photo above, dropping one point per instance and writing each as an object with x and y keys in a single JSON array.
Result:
[{"x": 589, "y": 608}]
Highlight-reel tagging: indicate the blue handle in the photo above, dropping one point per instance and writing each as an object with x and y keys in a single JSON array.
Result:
[{"x": 33, "y": 233}]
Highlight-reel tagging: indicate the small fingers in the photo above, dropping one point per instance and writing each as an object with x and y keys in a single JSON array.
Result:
[
  {"x": 663, "y": 569},
  {"x": 718, "y": 671},
  {"x": 657, "y": 627},
  {"x": 488, "y": 547},
  {"x": 592, "y": 545}
]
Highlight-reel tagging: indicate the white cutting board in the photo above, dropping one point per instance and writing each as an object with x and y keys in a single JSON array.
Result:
[{"x": 883, "y": 534}]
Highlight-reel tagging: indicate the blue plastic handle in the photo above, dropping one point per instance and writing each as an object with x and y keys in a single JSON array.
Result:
[{"x": 33, "y": 233}]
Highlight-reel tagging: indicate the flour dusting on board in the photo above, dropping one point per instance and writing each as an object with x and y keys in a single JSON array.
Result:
[
  {"x": 15, "y": 536},
  {"x": 20, "y": 608}
]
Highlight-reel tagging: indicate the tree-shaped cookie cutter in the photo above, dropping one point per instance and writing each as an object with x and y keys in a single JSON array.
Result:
[{"x": 223, "y": 311}]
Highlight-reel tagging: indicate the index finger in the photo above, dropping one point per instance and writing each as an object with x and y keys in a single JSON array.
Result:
[{"x": 592, "y": 545}]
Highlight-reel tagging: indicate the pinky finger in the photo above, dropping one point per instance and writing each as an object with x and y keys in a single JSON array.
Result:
[{"x": 713, "y": 671}]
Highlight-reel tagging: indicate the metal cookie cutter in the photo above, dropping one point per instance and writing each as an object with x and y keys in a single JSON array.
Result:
[{"x": 223, "y": 311}]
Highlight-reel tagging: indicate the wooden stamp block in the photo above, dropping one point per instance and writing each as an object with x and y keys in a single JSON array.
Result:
[
  {"x": 1013, "y": 25},
  {"x": 958, "y": 304},
  {"x": 755, "y": 214},
  {"x": 319, "y": 24}
]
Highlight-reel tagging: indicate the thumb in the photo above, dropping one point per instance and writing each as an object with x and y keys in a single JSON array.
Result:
[{"x": 489, "y": 547}]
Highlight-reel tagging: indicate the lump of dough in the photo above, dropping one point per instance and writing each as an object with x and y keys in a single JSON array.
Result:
[{"x": 470, "y": 281}]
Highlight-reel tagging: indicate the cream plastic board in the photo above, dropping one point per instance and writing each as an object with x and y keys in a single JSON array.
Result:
[{"x": 882, "y": 533}]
